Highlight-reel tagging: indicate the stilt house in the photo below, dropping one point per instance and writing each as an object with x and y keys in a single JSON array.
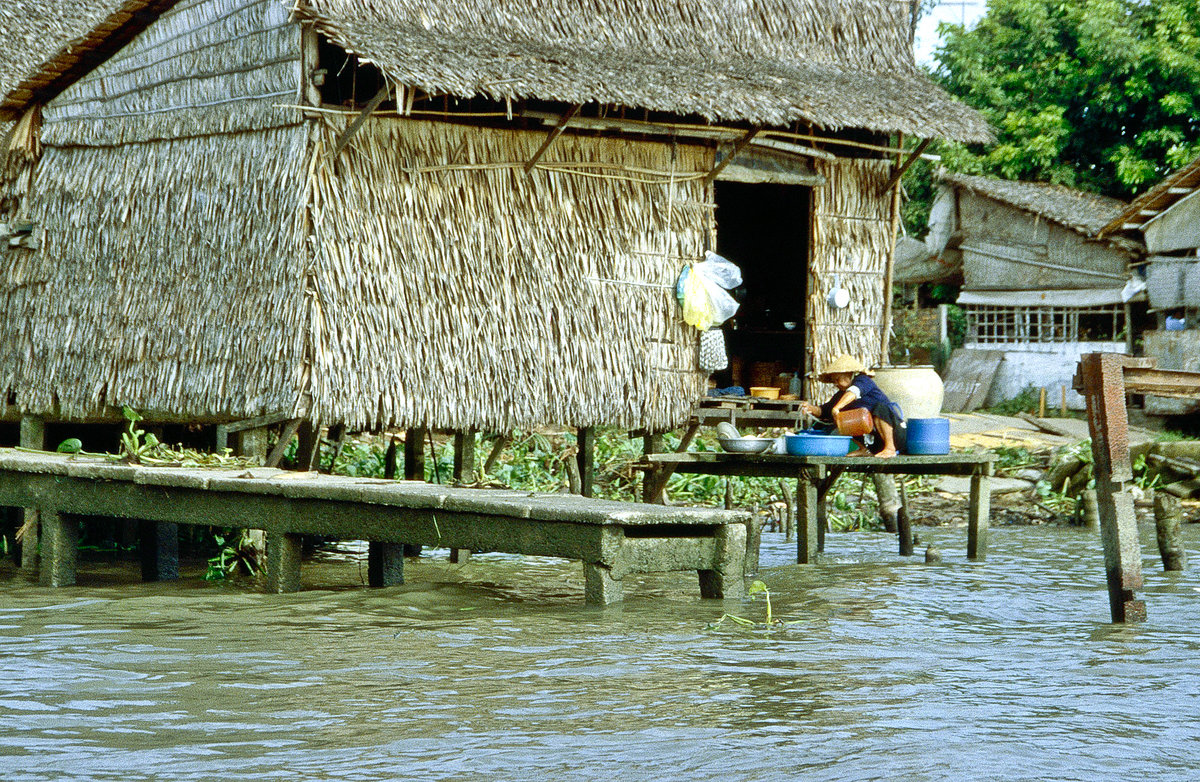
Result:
[
  {"x": 1167, "y": 218},
  {"x": 1039, "y": 289},
  {"x": 468, "y": 214}
]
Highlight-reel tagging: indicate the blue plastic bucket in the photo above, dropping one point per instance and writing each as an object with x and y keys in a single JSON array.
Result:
[
  {"x": 812, "y": 444},
  {"x": 929, "y": 436}
]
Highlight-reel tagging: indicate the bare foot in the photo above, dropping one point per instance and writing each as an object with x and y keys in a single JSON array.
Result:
[
  {"x": 860, "y": 452},
  {"x": 886, "y": 453}
]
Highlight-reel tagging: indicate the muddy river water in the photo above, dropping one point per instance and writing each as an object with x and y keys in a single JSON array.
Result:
[{"x": 1003, "y": 669}]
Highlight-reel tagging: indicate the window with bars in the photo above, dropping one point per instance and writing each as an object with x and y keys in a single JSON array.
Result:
[{"x": 991, "y": 324}]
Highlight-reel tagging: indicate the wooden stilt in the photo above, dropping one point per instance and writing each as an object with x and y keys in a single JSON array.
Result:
[
  {"x": 979, "y": 511},
  {"x": 1168, "y": 514},
  {"x": 587, "y": 460},
  {"x": 464, "y": 457},
  {"x": 33, "y": 435},
  {"x": 385, "y": 564},
  {"x": 158, "y": 546},
  {"x": 307, "y": 446},
  {"x": 807, "y": 513},
  {"x": 414, "y": 454}
]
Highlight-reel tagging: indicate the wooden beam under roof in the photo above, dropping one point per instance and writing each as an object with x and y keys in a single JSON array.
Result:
[{"x": 553, "y": 134}]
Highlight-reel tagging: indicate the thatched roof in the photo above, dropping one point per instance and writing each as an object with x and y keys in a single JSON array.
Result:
[
  {"x": 1084, "y": 213},
  {"x": 33, "y": 31},
  {"x": 1156, "y": 200},
  {"x": 48, "y": 44},
  {"x": 834, "y": 63}
]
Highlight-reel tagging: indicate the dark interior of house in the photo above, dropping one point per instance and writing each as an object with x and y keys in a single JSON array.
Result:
[{"x": 764, "y": 229}]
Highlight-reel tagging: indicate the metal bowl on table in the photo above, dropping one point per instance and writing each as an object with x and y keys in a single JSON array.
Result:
[{"x": 747, "y": 444}]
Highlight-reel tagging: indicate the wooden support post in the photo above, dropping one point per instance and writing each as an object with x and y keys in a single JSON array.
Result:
[
  {"x": 559, "y": 127},
  {"x": 391, "y": 458},
  {"x": 60, "y": 549},
  {"x": 979, "y": 512},
  {"x": 33, "y": 435},
  {"x": 599, "y": 587},
  {"x": 737, "y": 147},
  {"x": 464, "y": 457},
  {"x": 807, "y": 513},
  {"x": 283, "y": 562},
  {"x": 587, "y": 460},
  {"x": 903, "y": 524},
  {"x": 369, "y": 109},
  {"x": 789, "y": 500},
  {"x": 1063, "y": 409},
  {"x": 1168, "y": 514},
  {"x": 308, "y": 446},
  {"x": 651, "y": 443},
  {"x": 385, "y": 564},
  {"x": 728, "y": 493},
  {"x": 498, "y": 447},
  {"x": 336, "y": 436},
  {"x": 1101, "y": 378},
  {"x": 888, "y": 497},
  {"x": 286, "y": 434},
  {"x": 158, "y": 547},
  {"x": 414, "y": 454},
  {"x": 1042, "y": 403}
]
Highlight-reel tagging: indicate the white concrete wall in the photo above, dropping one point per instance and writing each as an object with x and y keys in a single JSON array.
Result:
[{"x": 1050, "y": 366}]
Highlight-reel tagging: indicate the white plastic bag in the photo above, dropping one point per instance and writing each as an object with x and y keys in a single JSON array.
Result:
[{"x": 706, "y": 302}]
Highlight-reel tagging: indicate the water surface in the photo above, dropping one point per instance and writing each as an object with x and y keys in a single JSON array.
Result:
[{"x": 1003, "y": 669}]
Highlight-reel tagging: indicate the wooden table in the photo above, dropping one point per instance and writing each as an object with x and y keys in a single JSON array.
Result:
[{"x": 815, "y": 475}]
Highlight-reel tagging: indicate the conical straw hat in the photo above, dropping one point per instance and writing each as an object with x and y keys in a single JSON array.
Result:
[{"x": 843, "y": 363}]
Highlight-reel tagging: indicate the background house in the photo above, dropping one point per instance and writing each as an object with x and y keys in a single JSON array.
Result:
[
  {"x": 1167, "y": 218},
  {"x": 1038, "y": 289},
  {"x": 468, "y": 215}
]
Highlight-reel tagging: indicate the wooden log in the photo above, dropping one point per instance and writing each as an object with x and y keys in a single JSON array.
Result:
[
  {"x": 904, "y": 525},
  {"x": 308, "y": 446},
  {"x": 789, "y": 499},
  {"x": 286, "y": 434},
  {"x": 1168, "y": 515},
  {"x": 391, "y": 460},
  {"x": 498, "y": 447},
  {"x": 336, "y": 437},
  {"x": 1090, "y": 509}
]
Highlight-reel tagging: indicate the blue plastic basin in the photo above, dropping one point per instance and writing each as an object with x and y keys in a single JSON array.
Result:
[
  {"x": 811, "y": 444},
  {"x": 929, "y": 436}
]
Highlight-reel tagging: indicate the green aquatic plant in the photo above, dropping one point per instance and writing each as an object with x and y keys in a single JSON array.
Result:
[
  {"x": 757, "y": 590},
  {"x": 235, "y": 551}
]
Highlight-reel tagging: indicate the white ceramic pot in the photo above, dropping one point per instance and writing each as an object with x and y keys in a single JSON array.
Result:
[{"x": 918, "y": 390}]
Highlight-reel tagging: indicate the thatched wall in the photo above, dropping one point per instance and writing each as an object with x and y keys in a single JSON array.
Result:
[
  {"x": 452, "y": 290},
  {"x": 852, "y": 236},
  {"x": 205, "y": 66},
  {"x": 170, "y": 278}
]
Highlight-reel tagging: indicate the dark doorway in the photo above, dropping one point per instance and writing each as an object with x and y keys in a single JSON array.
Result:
[{"x": 764, "y": 229}]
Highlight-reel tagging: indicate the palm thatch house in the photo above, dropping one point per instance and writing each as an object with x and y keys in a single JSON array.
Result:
[
  {"x": 462, "y": 215},
  {"x": 1039, "y": 289},
  {"x": 1167, "y": 218}
]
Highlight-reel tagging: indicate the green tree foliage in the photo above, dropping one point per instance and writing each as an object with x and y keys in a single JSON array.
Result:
[{"x": 1102, "y": 95}]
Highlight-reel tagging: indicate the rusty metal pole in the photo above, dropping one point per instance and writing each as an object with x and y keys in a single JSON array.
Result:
[{"x": 1101, "y": 378}]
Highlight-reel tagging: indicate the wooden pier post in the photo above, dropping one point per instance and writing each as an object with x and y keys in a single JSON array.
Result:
[
  {"x": 1101, "y": 379},
  {"x": 903, "y": 523},
  {"x": 33, "y": 435},
  {"x": 464, "y": 456},
  {"x": 808, "y": 514},
  {"x": 60, "y": 549},
  {"x": 283, "y": 562},
  {"x": 1168, "y": 514},
  {"x": 385, "y": 564},
  {"x": 158, "y": 545},
  {"x": 587, "y": 460},
  {"x": 979, "y": 512}
]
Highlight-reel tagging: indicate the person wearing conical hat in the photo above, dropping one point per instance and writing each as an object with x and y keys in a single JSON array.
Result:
[{"x": 856, "y": 389}]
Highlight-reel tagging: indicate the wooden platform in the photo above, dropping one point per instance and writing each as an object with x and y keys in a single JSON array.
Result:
[
  {"x": 612, "y": 539},
  {"x": 815, "y": 476}
]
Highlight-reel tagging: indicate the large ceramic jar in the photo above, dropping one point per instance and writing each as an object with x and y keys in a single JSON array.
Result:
[{"x": 918, "y": 390}]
